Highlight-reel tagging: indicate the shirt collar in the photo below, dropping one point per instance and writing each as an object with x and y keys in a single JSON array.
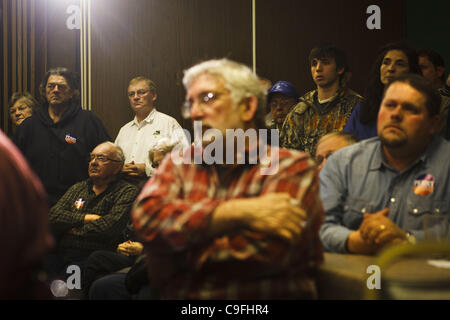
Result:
[
  {"x": 379, "y": 159},
  {"x": 149, "y": 119}
]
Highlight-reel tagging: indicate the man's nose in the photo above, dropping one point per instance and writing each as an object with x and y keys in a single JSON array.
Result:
[
  {"x": 319, "y": 66},
  {"x": 396, "y": 112}
]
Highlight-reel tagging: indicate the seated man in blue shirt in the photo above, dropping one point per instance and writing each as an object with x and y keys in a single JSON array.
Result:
[{"x": 376, "y": 192}]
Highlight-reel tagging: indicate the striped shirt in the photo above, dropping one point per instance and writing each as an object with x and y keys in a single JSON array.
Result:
[{"x": 172, "y": 216}]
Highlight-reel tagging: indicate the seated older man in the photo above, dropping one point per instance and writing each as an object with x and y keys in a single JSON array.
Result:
[
  {"x": 92, "y": 214},
  {"x": 376, "y": 192},
  {"x": 330, "y": 143}
]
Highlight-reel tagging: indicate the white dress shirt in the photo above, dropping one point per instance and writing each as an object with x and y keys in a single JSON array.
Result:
[{"x": 136, "y": 139}]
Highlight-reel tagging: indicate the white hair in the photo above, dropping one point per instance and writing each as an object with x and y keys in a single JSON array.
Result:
[
  {"x": 238, "y": 79},
  {"x": 118, "y": 150}
]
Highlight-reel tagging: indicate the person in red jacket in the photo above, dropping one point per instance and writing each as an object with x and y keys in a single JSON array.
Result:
[{"x": 23, "y": 227}]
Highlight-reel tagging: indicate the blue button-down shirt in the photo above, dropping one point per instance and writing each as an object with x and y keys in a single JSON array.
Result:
[{"x": 357, "y": 180}]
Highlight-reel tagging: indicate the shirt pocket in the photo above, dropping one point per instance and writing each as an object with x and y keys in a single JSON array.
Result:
[
  {"x": 354, "y": 209},
  {"x": 418, "y": 206}
]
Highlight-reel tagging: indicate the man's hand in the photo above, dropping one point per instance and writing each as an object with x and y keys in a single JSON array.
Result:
[
  {"x": 356, "y": 244},
  {"x": 134, "y": 169},
  {"x": 274, "y": 213},
  {"x": 377, "y": 229},
  {"x": 130, "y": 248},
  {"x": 91, "y": 217}
]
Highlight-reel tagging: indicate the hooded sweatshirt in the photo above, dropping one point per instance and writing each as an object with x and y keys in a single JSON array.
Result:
[{"x": 59, "y": 152}]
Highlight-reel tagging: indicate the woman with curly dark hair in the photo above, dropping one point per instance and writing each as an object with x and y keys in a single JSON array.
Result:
[{"x": 393, "y": 60}]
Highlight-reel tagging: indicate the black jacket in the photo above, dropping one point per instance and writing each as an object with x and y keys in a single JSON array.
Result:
[{"x": 59, "y": 152}]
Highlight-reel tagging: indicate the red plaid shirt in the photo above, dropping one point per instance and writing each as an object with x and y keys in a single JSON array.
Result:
[{"x": 173, "y": 212}]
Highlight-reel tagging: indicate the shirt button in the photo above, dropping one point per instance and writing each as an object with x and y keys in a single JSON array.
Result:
[{"x": 392, "y": 200}]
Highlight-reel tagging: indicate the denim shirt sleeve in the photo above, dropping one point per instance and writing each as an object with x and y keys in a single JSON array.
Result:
[{"x": 332, "y": 192}]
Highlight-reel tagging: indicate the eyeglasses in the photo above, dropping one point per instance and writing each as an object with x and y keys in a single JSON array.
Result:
[
  {"x": 205, "y": 99},
  {"x": 101, "y": 158},
  {"x": 140, "y": 93},
  {"x": 282, "y": 103}
]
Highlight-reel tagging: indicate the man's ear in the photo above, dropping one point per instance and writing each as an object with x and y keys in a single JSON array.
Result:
[
  {"x": 118, "y": 169},
  {"x": 340, "y": 71},
  {"x": 155, "y": 95},
  {"x": 249, "y": 106}
]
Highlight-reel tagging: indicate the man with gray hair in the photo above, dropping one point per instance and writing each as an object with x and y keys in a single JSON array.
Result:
[
  {"x": 59, "y": 135},
  {"x": 332, "y": 142},
  {"x": 216, "y": 230},
  {"x": 93, "y": 213}
]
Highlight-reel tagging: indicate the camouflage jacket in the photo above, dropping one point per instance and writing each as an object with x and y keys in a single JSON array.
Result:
[{"x": 308, "y": 120}]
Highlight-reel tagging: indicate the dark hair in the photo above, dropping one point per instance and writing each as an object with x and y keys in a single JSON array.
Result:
[
  {"x": 374, "y": 90},
  {"x": 72, "y": 78},
  {"x": 425, "y": 87},
  {"x": 26, "y": 96},
  {"x": 434, "y": 57},
  {"x": 331, "y": 51}
]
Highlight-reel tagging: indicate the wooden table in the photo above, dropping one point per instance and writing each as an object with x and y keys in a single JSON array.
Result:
[{"x": 344, "y": 276}]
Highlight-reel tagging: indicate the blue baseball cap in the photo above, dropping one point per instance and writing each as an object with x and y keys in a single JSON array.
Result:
[{"x": 283, "y": 87}]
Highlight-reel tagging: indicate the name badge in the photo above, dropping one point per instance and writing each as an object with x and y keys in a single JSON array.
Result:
[
  {"x": 79, "y": 203},
  {"x": 71, "y": 140},
  {"x": 424, "y": 185}
]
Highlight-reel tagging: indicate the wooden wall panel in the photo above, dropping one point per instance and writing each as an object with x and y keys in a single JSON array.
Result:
[
  {"x": 159, "y": 39},
  {"x": 428, "y": 26},
  {"x": 288, "y": 29},
  {"x": 56, "y": 45}
]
